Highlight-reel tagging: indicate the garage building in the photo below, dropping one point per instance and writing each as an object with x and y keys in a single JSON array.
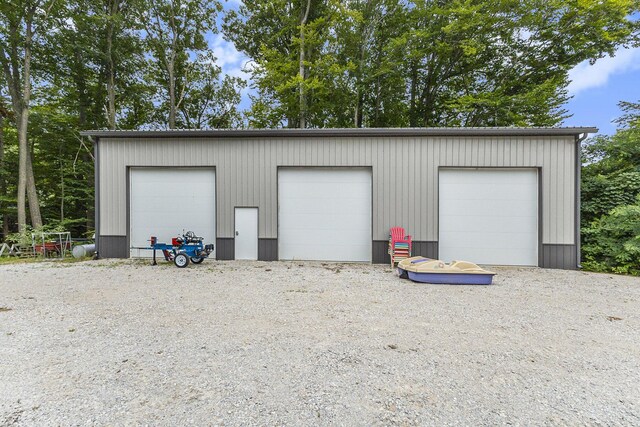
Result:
[{"x": 500, "y": 196}]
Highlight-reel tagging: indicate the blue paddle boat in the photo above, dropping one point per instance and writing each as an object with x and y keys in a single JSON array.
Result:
[{"x": 426, "y": 270}]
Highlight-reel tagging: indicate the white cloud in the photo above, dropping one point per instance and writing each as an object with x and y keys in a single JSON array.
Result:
[
  {"x": 232, "y": 62},
  {"x": 225, "y": 52},
  {"x": 585, "y": 76},
  {"x": 234, "y": 3}
]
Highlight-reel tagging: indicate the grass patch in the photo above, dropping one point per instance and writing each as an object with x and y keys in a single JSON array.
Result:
[
  {"x": 72, "y": 260},
  {"x": 126, "y": 261},
  {"x": 16, "y": 260},
  {"x": 31, "y": 260}
]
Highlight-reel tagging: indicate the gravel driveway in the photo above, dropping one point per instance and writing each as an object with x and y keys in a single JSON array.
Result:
[{"x": 253, "y": 343}]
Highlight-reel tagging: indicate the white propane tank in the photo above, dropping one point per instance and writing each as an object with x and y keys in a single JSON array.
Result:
[{"x": 81, "y": 251}]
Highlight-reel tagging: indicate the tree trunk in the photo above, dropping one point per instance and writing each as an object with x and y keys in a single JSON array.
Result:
[
  {"x": 22, "y": 169},
  {"x": 359, "y": 96},
  {"x": 3, "y": 182},
  {"x": 20, "y": 98},
  {"x": 32, "y": 195},
  {"x": 80, "y": 80},
  {"x": 111, "y": 84},
  {"x": 26, "y": 181},
  {"x": 413, "y": 114},
  {"x": 301, "y": 72},
  {"x": 356, "y": 110},
  {"x": 172, "y": 97},
  {"x": 61, "y": 191}
]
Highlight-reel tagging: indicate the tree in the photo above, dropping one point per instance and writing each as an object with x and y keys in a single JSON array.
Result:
[
  {"x": 370, "y": 87},
  {"x": 422, "y": 62},
  {"x": 90, "y": 77},
  {"x": 502, "y": 63},
  {"x": 612, "y": 242},
  {"x": 210, "y": 101},
  {"x": 174, "y": 33},
  {"x": 611, "y": 175},
  {"x": 4, "y": 114},
  {"x": 93, "y": 65},
  {"x": 283, "y": 38},
  {"x": 20, "y": 23},
  {"x": 121, "y": 60},
  {"x": 304, "y": 17},
  {"x": 611, "y": 197},
  {"x": 112, "y": 15}
]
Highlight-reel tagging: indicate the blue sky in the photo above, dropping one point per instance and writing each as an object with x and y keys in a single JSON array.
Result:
[{"x": 595, "y": 89}]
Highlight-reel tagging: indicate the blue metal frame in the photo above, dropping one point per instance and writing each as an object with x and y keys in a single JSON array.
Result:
[{"x": 193, "y": 249}]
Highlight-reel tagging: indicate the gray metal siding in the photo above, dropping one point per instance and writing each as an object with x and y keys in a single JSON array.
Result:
[
  {"x": 113, "y": 247},
  {"x": 268, "y": 249},
  {"x": 380, "y": 254},
  {"x": 225, "y": 248},
  {"x": 425, "y": 249},
  {"x": 559, "y": 256},
  {"x": 405, "y": 174}
]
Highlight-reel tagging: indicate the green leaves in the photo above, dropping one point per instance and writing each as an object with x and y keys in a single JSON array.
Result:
[
  {"x": 611, "y": 199},
  {"x": 174, "y": 34},
  {"x": 98, "y": 64},
  {"x": 426, "y": 62},
  {"x": 612, "y": 243},
  {"x": 210, "y": 101}
]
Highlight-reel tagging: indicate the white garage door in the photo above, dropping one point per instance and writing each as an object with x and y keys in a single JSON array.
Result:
[
  {"x": 324, "y": 214},
  {"x": 489, "y": 216},
  {"x": 166, "y": 201}
]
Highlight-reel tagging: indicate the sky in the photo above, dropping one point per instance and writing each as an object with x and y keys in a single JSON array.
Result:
[{"x": 595, "y": 90}]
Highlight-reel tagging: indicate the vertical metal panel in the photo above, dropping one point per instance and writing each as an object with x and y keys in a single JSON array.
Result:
[
  {"x": 380, "y": 250},
  {"x": 268, "y": 249},
  {"x": 425, "y": 249},
  {"x": 225, "y": 248},
  {"x": 114, "y": 247},
  {"x": 96, "y": 200},
  {"x": 571, "y": 197},
  {"x": 559, "y": 256},
  {"x": 405, "y": 175}
]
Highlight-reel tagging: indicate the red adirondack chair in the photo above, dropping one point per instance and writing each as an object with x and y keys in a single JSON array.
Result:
[{"x": 399, "y": 245}]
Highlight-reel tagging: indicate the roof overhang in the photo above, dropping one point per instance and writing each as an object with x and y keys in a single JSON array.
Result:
[{"x": 346, "y": 132}]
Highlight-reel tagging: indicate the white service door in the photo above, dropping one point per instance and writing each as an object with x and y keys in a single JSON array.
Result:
[
  {"x": 164, "y": 202},
  {"x": 489, "y": 216},
  {"x": 246, "y": 238},
  {"x": 324, "y": 214}
]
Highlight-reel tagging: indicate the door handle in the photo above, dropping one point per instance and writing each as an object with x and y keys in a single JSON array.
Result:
[{"x": 237, "y": 234}]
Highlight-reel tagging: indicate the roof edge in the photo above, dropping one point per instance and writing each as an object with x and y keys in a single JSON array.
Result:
[{"x": 336, "y": 132}]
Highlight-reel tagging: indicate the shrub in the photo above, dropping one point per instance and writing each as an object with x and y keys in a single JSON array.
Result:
[{"x": 612, "y": 242}]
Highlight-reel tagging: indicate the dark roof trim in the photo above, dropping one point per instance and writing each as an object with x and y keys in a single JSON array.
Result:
[{"x": 247, "y": 133}]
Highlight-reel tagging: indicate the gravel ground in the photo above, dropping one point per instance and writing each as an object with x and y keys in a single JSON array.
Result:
[{"x": 253, "y": 343}]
